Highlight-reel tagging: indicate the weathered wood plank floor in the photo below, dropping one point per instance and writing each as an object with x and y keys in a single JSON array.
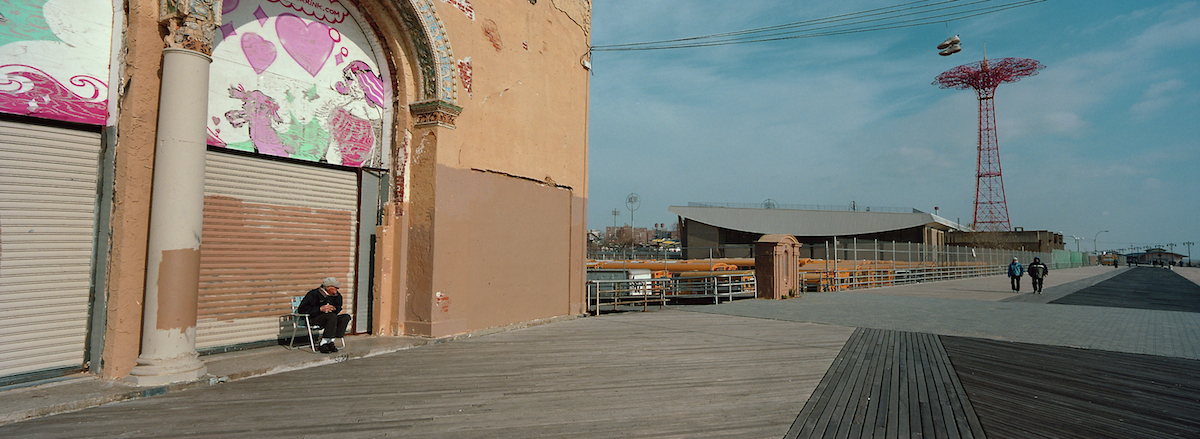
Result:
[
  {"x": 888, "y": 384},
  {"x": 1140, "y": 288},
  {"x": 1035, "y": 391},
  {"x": 661, "y": 374}
]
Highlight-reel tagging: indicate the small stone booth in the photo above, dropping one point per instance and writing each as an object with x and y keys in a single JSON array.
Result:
[{"x": 777, "y": 266}]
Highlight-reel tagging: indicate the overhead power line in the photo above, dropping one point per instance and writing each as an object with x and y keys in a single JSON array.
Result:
[{"x": 916, "y": 13}]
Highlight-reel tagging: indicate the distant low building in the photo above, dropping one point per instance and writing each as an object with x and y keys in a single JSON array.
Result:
[
  {"x": 1155, "y": 255},
  {"x": 1041, "y": 241},
  {"x": 705, "y": 226}
]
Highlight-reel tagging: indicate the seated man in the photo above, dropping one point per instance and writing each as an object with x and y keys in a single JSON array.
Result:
[{"x": 322, "y": 305}]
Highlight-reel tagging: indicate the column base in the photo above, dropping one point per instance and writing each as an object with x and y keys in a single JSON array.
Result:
[{"x": 150, "y": 372}]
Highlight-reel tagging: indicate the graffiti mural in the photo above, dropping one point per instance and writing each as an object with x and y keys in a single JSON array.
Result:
[
  {"x": 298, "y": 79},
  {"x": 54, "y": 59}
]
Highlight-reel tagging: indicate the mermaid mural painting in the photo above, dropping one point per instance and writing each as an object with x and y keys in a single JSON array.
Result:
[
  {"x": 54, "y": 57},
  {"x": 297, "y": 79}
]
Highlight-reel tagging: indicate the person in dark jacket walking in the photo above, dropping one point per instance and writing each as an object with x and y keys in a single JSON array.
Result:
[
  {"x": 323, "y": 306},
  {"x": 1038, "y": 272},
  {"x": 1015, "y": 271}
]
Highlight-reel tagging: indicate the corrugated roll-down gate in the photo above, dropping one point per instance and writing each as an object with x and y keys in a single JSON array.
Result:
[
  {"x": 48, "y": 178},
  {"x": 272, "y": 230}
]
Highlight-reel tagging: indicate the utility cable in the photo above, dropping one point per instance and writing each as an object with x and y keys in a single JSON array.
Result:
[{"x": 892, "y": 17}]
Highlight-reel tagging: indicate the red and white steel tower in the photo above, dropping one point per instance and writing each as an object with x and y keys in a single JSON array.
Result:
[{"x": 991, "y": 211}]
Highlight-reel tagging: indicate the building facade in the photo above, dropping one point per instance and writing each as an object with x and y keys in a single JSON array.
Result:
[
  {"x": 176, "y": 170},
  {"x": 1040, "y": 241},
  {"x": 1156, "y": 256},
  {"x": 708, "y": 228}
]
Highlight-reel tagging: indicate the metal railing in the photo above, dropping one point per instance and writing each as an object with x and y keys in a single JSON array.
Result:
[
  {"x": 839, "y": 265},
  {"x": 852, "y": 278},
  {"x": 644, "y": 292},
  {"x": 633, "y": 254}
]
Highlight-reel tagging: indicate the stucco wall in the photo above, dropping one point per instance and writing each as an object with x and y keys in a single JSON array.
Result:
[
  {"x": 526, "y": 111},
  {"x": 496, "y": 221},
  {"x": 134, "y": 170},
  {"x": 511, "y": 178},
  {"x": 502, "y": 254}
]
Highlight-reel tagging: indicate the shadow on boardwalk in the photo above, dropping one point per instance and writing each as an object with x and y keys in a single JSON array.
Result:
[{"x": 745, "y": 369}]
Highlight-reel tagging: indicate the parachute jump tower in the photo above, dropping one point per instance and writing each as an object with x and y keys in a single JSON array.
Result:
[{"x": 991, "y": 211}]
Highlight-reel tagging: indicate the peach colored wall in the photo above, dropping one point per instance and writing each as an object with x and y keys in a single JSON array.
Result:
[
  {"x": 513, "y": 169},
  {"x": 510, "y": 186},
  {"x": 526, "y": 113},
  {"x": 503, "y": 251},
  {"x": 134, "y": 164}
]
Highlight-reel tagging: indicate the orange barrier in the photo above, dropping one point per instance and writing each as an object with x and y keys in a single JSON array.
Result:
[
  {"x": 677, "y": 266},
  {"x": 815, "y": 274},
  {"x": 710, "y": 273}
]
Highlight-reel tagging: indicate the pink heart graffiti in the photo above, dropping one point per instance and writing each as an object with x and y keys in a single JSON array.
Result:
[
  {"x": 309, "y": 44},
  {"x": 260, "y": 52}
]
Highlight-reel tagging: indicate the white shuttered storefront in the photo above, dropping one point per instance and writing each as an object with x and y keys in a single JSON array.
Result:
[
  {"x": 48, "y": 178},
  {"x": 272, "y": 230}
]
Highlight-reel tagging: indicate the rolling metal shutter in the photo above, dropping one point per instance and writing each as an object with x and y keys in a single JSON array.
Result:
[
  {"x": 272, "y": 230},
  {"x": 48, "y": 181}
]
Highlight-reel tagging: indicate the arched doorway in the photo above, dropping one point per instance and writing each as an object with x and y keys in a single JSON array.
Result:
[{"x": 307, "y": 139}]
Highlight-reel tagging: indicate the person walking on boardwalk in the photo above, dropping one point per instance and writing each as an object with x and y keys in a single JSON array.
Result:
[
  {"x": 1038, "y": 272},
  {"x": 1015, "y": 271}
]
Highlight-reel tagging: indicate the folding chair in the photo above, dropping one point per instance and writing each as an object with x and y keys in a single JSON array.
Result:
[{"x": 300, "y": 321}]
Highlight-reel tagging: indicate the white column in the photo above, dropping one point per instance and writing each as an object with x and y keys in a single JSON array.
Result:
[{"x": 168, "y": 352}]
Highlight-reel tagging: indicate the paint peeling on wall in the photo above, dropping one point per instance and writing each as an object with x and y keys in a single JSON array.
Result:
[
  {"x": 492, "y": 33},
  {"x": 464, "y": 6},
  {"x": 464, "y": 73},
  {"x": 190, "y": 24},
  {"x": 580, "y": 12},
  {"x": 443, "y": 302},
  {"x": 401, "y": 172},
  {"x": 52, "y": 56},
  {"x": 298, "y": 79}
]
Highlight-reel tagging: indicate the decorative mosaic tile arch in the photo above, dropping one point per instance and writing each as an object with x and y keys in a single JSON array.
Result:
[{"x": 434, "y": 56}]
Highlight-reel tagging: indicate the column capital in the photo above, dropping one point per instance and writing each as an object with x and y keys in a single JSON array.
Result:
[
  {"x": 190, "y": 24},
  {"x": 434, "y": 113}
]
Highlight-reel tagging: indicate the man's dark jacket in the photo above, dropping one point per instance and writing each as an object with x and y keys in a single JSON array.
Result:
[{"x": 315, "y": 299}]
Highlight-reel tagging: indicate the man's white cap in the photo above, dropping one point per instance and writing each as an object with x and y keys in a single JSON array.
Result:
[{"x": 331, "y": 281}]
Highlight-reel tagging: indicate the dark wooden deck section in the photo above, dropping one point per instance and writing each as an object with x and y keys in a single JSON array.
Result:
[
  {"x": 1035, "y": 391},
  {"x": 893, "y": 384},
  {"x": 889, "y": 384},
  {"x": 1140, "y": 288}
]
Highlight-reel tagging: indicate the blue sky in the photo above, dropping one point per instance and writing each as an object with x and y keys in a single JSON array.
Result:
[{"x": 1104, "y": 138}]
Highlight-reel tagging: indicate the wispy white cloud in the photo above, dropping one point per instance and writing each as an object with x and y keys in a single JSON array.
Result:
[
  {"x": 829, "y": 120},
  {"x": 1156, "y": 97}
]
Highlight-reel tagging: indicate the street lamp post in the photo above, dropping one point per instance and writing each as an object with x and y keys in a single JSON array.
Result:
[
  {"x": 1096, "y": 244},
  {"x": 1076, "y": 242},
  {"x": 633, "y": 202}
]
